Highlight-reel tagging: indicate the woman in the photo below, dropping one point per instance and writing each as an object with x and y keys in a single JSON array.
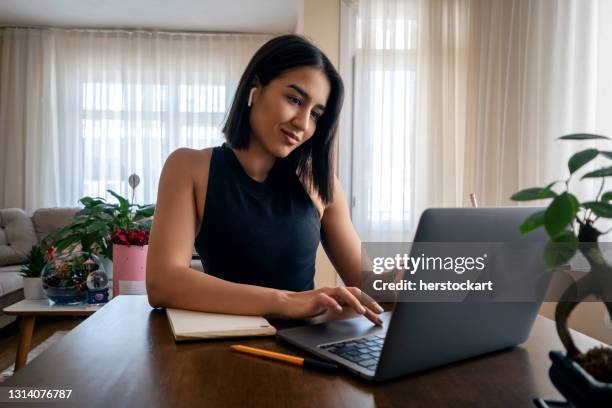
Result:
[{"x": 257, "y": 206}]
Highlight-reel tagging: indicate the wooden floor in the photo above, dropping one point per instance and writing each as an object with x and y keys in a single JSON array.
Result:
[{"x": 43, "y": 329}]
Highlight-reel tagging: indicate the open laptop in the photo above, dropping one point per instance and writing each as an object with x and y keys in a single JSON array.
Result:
[{"x": 416, "y": 335}]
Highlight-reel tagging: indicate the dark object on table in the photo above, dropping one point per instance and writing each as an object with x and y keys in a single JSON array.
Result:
[
  {"x": 541, "y": 403},
  {"x": 97, "y": 296},
  {"x": 576, "y": 385}
]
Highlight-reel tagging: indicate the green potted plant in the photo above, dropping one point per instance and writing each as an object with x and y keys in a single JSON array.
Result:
[
  {"x": 31, "y": 271},
  {"x": 92, "y": 227},
  {"x": 585, "y": 379}
]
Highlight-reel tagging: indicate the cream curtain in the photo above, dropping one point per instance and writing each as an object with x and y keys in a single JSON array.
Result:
[
  {"x": 442, "y": 110},
  {"x": 541, "y": 70},
  {"x": 81, "y": 110},
  {"x": 495, "y": 82}
]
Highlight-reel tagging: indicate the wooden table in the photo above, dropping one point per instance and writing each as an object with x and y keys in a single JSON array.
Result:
[
  {"x": 125, "y": 355},
  {"x": 27, "y": 310}
]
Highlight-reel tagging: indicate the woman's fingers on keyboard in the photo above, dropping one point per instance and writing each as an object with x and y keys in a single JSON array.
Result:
[
  {"x": 365, "y": 299},
  {"x": 369, "y": 309}
]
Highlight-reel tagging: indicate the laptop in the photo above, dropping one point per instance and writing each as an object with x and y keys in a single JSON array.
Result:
[{"x": 417, "y": 336}]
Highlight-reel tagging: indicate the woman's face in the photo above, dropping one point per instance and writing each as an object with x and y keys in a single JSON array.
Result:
[{"x": 284, "y": 113}]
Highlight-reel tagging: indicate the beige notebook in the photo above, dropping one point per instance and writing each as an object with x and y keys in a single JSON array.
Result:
[{"x": 190, "y": 325}]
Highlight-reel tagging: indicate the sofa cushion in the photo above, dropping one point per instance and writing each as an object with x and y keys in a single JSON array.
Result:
[
  {"x": 47, "y": 220},
  {"x": 10, "y": 268},
  {"x": 17, "y": 236},
  {"x": 10, "y": 281}
]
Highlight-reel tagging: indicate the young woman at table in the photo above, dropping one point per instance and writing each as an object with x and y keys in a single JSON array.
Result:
[{"x": 257, "y": 206}]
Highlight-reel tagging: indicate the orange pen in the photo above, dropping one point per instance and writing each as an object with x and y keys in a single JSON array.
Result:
[{"x": 299, "y": 361}]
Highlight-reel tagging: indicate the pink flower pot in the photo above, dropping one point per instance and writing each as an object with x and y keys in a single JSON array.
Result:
[{"x": 129, "y": 269}]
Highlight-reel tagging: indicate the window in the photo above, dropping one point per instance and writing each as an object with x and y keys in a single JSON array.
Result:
[
  {"x": 382, "y": 125},
  {"x": 104, "y": 104},
  {"x": 119, "y": 120}
]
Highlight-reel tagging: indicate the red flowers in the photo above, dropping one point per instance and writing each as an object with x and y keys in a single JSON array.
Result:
[
  {"x": 138, "y": 237},
  {"x": 50, "y": 253}
]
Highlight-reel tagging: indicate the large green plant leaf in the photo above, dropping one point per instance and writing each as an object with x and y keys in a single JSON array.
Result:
[
  {"x": 601, "y": 209},
  {"x": 533, "y": 193},
  {"x": 582, "y": 136},
  {"x": 101, "y": 208},
  {"x": 144, "y": 212},
  {"x": 62, "y": 244},
  {"x": 547, "y": 191},
  {"x": 581, "y": 158},
  {"x": 96, "y": 226},
  {"x": 607, "y": 196},
  {"x": 61, "y": 233},
  {"x": 560, "y": 213},
  {"x": 124, "y": 204},
  {"x": 535, "y": 220},
  {"x": 575, "y": 203},
  {"x": 560, "y": 250},
  {"x": 603, "y": 172},
  {"x": 90, "y": 202}
]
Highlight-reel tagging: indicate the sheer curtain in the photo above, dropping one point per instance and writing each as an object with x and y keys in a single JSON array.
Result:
[
  {"x": 470, "y": 99},
  {"x": 384, "y": 118},
  {"x": 81, "y": 110}
]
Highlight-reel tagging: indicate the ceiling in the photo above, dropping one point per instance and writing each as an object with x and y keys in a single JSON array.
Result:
[{"x": 251, "y": 16}]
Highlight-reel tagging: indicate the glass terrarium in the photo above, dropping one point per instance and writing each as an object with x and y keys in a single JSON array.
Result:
[{"x": 65, "y": 278}]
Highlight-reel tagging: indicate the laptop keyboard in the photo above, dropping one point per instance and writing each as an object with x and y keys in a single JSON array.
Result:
[{"x": 364, "y": 351}]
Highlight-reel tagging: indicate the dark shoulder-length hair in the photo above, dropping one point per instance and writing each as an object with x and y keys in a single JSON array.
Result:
[{"x": 313, "y": 161}]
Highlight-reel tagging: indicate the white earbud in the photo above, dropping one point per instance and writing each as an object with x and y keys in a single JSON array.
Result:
[{"x": 250, "y": 101}]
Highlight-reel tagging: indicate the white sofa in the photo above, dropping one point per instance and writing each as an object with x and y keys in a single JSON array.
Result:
[{"x": 18, "y": 233}]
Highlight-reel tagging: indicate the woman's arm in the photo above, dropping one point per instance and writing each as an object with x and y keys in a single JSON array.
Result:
[
  {"x": 170, "y": 280},
  {"x": 172, "y": 283},
  {"x": 342, "y": 244}
]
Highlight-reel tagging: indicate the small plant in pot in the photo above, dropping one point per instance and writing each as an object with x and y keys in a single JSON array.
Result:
[
  {"x": 90, "y": 229},
  {"x": 31, "y": 272},
  {"x": 130, "y": 248},
  {"x": 129, "y": 261},
  {"x": 584, "y": 379},
  {"x": 101, "y": 228}
]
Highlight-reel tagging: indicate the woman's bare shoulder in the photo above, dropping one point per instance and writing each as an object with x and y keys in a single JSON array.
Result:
[
  {"x": 193, "y": 159},
  {"x": 185, "y": 165}
]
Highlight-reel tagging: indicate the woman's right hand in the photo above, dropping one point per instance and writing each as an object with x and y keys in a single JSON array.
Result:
[{"x": 299, "y": 305}]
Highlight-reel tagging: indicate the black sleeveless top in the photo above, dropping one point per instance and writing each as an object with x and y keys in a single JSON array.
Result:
[{"x": 258, "y": 233}]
